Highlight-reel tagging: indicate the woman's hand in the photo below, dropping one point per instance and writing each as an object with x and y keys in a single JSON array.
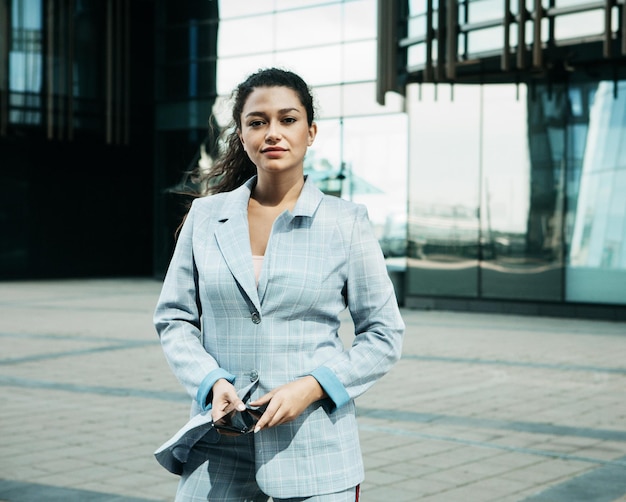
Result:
[
  {"x": 288, "y": 401},
  {"x": 225, "y": 399}
]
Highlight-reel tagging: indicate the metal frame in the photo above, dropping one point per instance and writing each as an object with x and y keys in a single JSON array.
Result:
[
  {"x": 452, "y": 63},
  {"x": 117, "y": 94},
  {"x": 391, "y": 27}
]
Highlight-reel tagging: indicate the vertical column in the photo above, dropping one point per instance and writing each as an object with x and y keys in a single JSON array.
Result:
[
  {"x": 126, "y": 74},
  {"x": 606, "y": 46},
  {"x": 117, "y": 71},
  {"x": 108, "y": 95},
  {"x": 452, "y": 38},
  {"x": 59, "y": 57},
  {"x": 522, "y": 16},
  {"x": 4, "y": 70},
  {"x": 537, "y": 44},
  {"x": 505, "y": 61},
  {"x": 441, "y": 42},
  {"x": 387, "y": 48},
  {"x": 430, "y": 35},
  {"x": 69, "y": 69},
  {"x": 60, "y": 88},
  {"x": 50, "y": 47},
  {"x": 622, "y": 27}
]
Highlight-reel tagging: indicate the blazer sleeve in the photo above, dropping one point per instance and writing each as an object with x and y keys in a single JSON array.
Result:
[
  {"x": 379, "y": 328},
  {"x": 177, "y": 321}
]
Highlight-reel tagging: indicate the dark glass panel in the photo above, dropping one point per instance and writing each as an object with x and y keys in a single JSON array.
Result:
[
  {"x": 181, "y": 11},
  {"x": 195, "y": 80},
  {"x": 190, "y": 42},
  {"x": 89, "y": 53},
  {"x": 176, "y": 153}
]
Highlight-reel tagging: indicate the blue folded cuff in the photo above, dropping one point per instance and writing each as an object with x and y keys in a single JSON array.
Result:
[
  {"x": 331, "y": 384},
  {"x": 204, "y": 390}
]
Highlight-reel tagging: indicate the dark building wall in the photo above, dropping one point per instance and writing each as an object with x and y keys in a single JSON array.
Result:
[
  {"x": 81, "y": 205},
  {"x": 74, "y": 209},
  {"x": 185, "y": 82}
]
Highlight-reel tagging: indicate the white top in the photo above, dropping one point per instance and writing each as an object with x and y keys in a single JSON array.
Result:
[{"x": 257, "y": 261}]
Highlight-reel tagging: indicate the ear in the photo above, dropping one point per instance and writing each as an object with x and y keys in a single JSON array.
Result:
[
  {"x": 312, "y": 133},
  {"x": 240, "y": 137}
]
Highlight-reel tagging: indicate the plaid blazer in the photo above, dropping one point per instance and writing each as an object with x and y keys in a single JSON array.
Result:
[{"x": 214, "y": 322}]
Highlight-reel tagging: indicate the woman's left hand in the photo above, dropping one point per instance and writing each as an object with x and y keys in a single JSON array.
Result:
[{"x": 288, "y": 401}]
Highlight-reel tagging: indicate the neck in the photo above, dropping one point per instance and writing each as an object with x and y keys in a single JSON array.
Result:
[{"x": 278, "y": 191}]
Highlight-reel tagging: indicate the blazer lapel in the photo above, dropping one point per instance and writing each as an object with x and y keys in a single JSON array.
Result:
[
  {"x": 233, "y": 240},
  {"x": 308, "y": 202},
  {"x": 233, "y": 236}
]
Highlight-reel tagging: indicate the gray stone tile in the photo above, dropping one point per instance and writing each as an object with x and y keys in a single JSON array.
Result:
[{"x": 481, "y": 408}]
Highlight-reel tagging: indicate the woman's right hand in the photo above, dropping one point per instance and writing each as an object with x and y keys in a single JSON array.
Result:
[{"x": 225, "y": 399}]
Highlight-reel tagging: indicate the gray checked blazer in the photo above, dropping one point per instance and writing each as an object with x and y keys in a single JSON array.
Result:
[{"x": 214, "y": 322}]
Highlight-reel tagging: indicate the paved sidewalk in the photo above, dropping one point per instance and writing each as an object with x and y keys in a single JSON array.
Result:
[{"x": 481, "y": 408}]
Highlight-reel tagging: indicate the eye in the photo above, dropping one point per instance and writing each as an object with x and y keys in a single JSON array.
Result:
[
  {"x": 255, "y": 123},
  {"x": 289, "y": 120}
]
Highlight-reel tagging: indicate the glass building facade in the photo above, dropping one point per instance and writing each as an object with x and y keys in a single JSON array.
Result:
[
  {"x": 185, "y": 46},
  {"x": 530, "y": 205},
  {"x": 514, "y": 191},
  {"x": 517, "y": 164},
  {"x": 360, "y": 152},
  {"x": 75, "y": 138},
  {"x": 485, "y": 137}
]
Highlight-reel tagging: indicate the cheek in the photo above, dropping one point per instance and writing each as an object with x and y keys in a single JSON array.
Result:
[
  {"x": 245, "y": 143},
  {"x": 249, "y": 142}
]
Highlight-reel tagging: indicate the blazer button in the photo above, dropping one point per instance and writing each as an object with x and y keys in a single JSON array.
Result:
[{"x": 256, "y": 318}]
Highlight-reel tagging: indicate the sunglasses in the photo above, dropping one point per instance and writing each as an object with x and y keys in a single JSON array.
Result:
[{"x": 237, "y": 422}]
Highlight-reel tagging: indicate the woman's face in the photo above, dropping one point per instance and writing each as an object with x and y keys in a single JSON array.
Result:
[{"x": 274, "y": 129}]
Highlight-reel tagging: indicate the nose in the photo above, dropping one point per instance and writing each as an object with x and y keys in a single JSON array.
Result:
[{"x": 273, "y": 132}]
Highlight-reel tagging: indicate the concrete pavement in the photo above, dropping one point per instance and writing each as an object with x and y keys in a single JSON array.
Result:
[{"x": 481, "y": 408}]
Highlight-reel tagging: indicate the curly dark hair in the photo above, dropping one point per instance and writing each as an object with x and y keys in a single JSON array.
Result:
[{"x": 233, "y": 167}]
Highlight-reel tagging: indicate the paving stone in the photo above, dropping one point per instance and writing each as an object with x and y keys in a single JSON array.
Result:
[{"x": 481, "y": 408}]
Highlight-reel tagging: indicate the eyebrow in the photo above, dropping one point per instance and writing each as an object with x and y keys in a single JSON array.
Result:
[{"x": 282, "y": 111}]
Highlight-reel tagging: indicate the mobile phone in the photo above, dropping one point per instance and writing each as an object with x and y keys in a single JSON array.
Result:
[{"x": 237, "y": 422}]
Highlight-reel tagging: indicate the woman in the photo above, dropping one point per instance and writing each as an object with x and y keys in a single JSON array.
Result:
[{"x": 249, "y": 312}]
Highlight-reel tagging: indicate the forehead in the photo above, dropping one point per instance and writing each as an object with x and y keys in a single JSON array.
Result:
[{"x": 265, "y": 99}]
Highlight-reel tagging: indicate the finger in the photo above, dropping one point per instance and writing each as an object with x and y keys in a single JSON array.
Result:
[
  {"x": 276, "y": 419},
  {"x": 224, "y": 407},
  {"x": 267, "y": 418},
  {"x": 262, "y": 400},
  {"x": 237, "y": 404},
  {"x": 262, "y": 423}
]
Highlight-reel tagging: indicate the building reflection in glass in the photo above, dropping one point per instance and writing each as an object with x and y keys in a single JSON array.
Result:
[
  {"x": 444, "y": 192},
  {"x": 528, "y": 203},
  {"x": 596, "y": 265}
]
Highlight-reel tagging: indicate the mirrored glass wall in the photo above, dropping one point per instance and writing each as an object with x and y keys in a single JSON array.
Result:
[{"x": 517, "y": 192}]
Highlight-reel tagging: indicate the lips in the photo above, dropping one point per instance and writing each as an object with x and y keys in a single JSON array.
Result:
[{"x": 273, "y": 152}]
